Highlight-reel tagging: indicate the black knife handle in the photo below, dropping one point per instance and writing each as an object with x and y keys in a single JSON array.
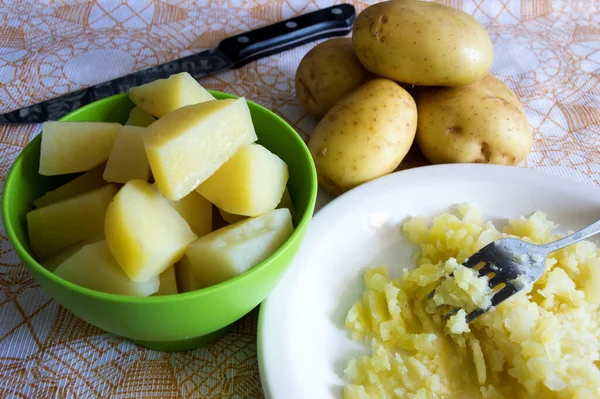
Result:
[{"x": 327, "y": 22}]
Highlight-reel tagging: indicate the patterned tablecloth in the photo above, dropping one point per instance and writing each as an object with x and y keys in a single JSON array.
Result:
[{"x": 547, "y": 51}]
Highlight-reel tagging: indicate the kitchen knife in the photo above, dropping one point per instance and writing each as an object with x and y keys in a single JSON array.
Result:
[{"x": 233, "y": 52}]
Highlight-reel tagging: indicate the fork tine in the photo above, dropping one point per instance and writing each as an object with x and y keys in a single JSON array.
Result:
[
  {"x": 497, "y": 279},
  {"x": 504, "y": 294},
  {"x": 450, "y": 313},
  {"x": 473, "y": 260},
  {"x": 475, "y": 314},
  {"x": 497, "y": 299},
  {"x": 432, "y": 293},
  {"x": 487, "y": 269}
]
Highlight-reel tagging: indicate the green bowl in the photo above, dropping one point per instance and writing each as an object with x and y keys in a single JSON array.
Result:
[{"x": 172, "y": 322}]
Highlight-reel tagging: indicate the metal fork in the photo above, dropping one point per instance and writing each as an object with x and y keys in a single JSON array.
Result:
[{"x": 511, "y": 259}]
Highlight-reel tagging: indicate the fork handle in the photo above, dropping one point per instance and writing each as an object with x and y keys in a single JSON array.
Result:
[{"x": 582, "y": 234}]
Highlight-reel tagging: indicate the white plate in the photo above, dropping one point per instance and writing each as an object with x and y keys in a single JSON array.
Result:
[{"x": 302, "y": 346}]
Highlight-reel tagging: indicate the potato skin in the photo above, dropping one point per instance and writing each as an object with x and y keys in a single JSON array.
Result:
[
  {"x": 328, "y": 72},
  {"x": 422, "y": 43},
  {"x": 483, "y": 122},
  {"x": 364, "y": 136}
]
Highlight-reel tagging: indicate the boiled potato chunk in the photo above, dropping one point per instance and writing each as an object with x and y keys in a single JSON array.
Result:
[
  {"x": 286, "y": 202},
  {"x": 188, "y": 145},
  {"x": 217, "y": 219},
  {"x": 232, "y": 250},
  {"x": 86, "y": 182},
  {"x": 196, "y": 210},
  {"x": 184, "y": 273},
  {"x": 250, "y": 183},
  {"x": 139, "y": 117},
  {"x": 168, "y": 282},
  {"x": 144, "y": 233},
  {"x": 422, "y": 43},
  {"x": 483, "y": 122},
  {"x": 94, "y": 267},
  {"x": 230, "y": 217},
  {"x": 127, "y": 159},
  {"x": 53, "y": 261},
  {"x": 71, "y": 147},
  {"x": 163, "y": 96},
  {"x": 62, "y": 224},
  {"x": 364, "y": 136}
]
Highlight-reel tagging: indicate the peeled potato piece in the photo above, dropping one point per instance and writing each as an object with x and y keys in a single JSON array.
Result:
[
  {"x": 286, "y": 202},
  {"x": 217, "y": 219},
  {"x": 188, "y": 145},
  {"x": 94, "y": 267},
  {"x": 168, "y": 283},
  {"x": 231, "y": 217},
  {"x": 196, "y": 210},
  {"x": 231, "y": 250},
  {"x": 86, "y": 182},
  {"x": 163, "y": 96},
  {"x": 53, "y": 261},
  {"x": 139, "y": 117},
  {"x": 127, "y": 159},
  {"x": 250, "y": 183},
  {"x": 71, "y": 147},
  {"x": 62, "y": 224},
  {"x": 144, "y": 233},
  {"x": 186, "y": 280}
]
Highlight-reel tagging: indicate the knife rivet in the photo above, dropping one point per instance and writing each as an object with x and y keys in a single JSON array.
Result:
[
  {"x": 243, "y": 39},
  {"x": 291, "y": 24},
  {"x": 336, "y": 11}
]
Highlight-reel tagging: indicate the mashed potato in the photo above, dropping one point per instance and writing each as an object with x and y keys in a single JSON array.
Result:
[{"x": 544, "y": 342}]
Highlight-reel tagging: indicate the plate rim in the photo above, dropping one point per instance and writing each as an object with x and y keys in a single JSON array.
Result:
[{"x": 459, "y": 169}]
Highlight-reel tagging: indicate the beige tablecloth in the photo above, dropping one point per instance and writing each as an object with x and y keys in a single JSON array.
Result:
[{"x": 547, "y": 51}]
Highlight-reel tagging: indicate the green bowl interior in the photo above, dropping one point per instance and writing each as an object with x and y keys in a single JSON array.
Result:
[{"x": 24, "y": 184}]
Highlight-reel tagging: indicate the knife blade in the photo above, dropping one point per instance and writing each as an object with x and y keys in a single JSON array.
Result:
[{"x": 231, "y": 53}]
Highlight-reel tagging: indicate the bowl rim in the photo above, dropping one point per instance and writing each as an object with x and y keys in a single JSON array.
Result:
[{"x": 29, "y": 261}]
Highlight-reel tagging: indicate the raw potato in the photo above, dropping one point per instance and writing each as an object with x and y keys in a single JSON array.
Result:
[
  {"x": 71, "y": 147},
  {"x": 250, "y": 183},
  {"x": 230, "y": 251},
  {"x": 364, "y": 136},
  {"x": 168, "y": 282},
  {"x": 127, "y": 159},
  {"x": 144, "y": 233},
  {"x": 188, "y": 145},
  {"x": 163, "y": 96},
  {"x": 139, "y": 117},
  {"x": 483, "y": 122},
  {"x": 94, "y": 267},
  {"x": 422, "y": 43},
  {"x": 62, "y": 224},
  {"x": 328, "y": 72},
  {"x": 86, "y": 182}
]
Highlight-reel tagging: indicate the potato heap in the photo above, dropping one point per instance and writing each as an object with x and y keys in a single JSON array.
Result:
[
  {"x": 112, "y": 229},
  {"x": 542, "y": 343},
  {"x": 413, "y": 71}
]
